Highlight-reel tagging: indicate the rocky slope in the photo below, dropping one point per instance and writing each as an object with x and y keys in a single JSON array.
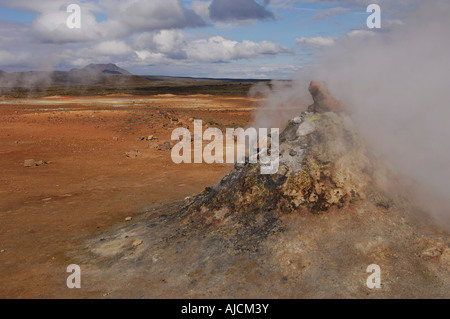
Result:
[{"x": 309, "y": 231}]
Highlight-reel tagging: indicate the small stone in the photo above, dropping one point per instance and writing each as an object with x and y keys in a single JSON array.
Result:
[
  {"x": 431, "y": 253},
  {"x": 29, "y": 163},
  {"x": 2, "y": 251},
  {"x": 150, "y": 138},
  {"x": 128, "y": 219},
  {"x": 137, "y": 243},
  {"x": 165, "y": 147},
  {"x": 297, "y": 120},
  {"x": 133, "y": 154},
  {"x": 115, "y": 139},
  {"x": 293, "y": 153}
]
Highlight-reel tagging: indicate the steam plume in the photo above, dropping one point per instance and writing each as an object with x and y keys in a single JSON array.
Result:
[{"x": 396, "y": 85}]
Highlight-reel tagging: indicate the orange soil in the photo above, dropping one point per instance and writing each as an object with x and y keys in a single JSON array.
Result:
[{"x": 89, "y": 184}]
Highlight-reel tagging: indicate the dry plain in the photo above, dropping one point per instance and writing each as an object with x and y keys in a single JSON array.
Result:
[{"x": 90, "y": 176}]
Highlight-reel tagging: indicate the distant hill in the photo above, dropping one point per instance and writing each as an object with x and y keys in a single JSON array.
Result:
[
  {"x": 97, "y": 69},
  {"x": 90, "y": 74},
  {"x": 93, "y": 73}
]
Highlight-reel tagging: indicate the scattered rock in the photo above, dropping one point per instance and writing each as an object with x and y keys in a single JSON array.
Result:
[
  {"x": 33, "y": 163},
  {"x": 431, "y": 253},
  {"x": 128, "y": 219},
  {"x": 165, "y": 147},
  {"x": 115, "y": 139},
  {"x": 150, "y": 138},
  {"x": 137, "y": 243},
  {"x": 133, "y": 154},
  {"x": 29, "y": 163},
  {"x": 297, "y": 120}
]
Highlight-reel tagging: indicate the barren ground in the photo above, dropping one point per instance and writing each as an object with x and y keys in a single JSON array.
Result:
[{"x": 88, "y": 183}]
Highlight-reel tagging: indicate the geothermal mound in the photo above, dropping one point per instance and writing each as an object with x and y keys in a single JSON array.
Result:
[{"x": 308, "y": 231}]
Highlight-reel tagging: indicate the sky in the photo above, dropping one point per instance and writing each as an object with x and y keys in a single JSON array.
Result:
[{"x": 264, "y": 39}]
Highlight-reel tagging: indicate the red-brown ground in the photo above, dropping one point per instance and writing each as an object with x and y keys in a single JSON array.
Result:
[{"x": 88, "y": 183}]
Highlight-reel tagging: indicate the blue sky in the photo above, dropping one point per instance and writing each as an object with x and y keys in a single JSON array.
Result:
[{"x": 213, "y": 38}]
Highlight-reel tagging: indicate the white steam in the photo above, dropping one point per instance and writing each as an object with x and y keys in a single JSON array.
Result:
[{"x": 396, "y": 84}]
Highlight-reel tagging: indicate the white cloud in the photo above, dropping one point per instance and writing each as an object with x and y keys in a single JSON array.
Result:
[
  {"x": 144, "y": 15},
  {"x": 51, "y": 27},
  {"x": 201, "y": 8},
  {"x": 177, "y": 45},
  {"x": 323, "y": 42},
  {"x": 360, "y": 33},
  {"x": 217, "y": 49},
  {"x": 168, "y": 41},
  {"x": 112, "y": 48},
  {"x": 317, "y": 41},
  {"x": 146, "y": 57}
]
